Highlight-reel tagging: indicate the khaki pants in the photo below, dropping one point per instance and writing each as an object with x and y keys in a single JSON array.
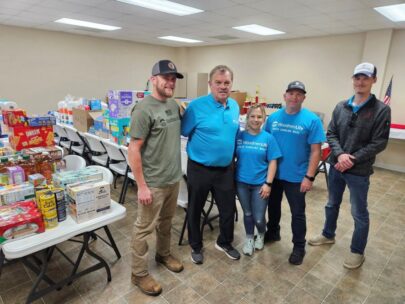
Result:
[{"x": 157, "y": 215}]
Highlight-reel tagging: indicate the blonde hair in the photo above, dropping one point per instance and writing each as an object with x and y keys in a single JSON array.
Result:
[{"x": 254, "y": 107}]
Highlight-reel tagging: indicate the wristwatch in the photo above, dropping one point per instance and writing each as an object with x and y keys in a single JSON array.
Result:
[
  {"x": 311, "y": 178},
  {"x": 268, "y": 184}
]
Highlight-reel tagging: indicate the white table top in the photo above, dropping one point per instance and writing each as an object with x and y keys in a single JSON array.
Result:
[{"x": 63, "y": 232}]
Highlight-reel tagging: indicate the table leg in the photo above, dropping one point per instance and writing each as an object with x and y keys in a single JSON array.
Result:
[{"x": 94, "y": 255}]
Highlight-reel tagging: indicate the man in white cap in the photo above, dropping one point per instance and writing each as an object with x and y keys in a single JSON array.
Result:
[
  {"x": 358, "y": 131},
  {"x": 154, "y": 158}
]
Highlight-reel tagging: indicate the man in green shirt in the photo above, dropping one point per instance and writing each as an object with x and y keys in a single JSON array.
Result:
[{"x": 154, "y": 158}]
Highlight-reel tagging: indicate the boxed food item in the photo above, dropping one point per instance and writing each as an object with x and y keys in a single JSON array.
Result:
[
  {"x": 62, "y": 179},
  {"x": 120, "y": 103},
  {"x": 24, "y": 137},
  {"x": 36, "y": 179},
  {"x": 39, "y": 121},
  {"x": 16, "y": 175},
  {"x": 54, "y": 152},
  {"x": 16, "y": 193},
  {"x": 89, "y": 200},
  {"x": 20, "y": 220},
  {"x": 14, "y": 118},
  {"x": 84, "y": 119}
]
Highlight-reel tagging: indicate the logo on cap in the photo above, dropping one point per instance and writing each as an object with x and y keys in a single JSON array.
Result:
[{"x": 171, "y": 65}]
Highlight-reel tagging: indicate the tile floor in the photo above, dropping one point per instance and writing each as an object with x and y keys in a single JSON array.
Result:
[{"x": 267, "y": 277}]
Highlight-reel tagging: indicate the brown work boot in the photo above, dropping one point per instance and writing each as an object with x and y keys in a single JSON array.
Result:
[
  {"x": 170, "y": 262},
  {"x": 147, "y": 285}
]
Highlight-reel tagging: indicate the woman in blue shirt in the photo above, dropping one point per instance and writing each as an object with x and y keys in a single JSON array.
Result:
[{"x": 256, "y": 152}]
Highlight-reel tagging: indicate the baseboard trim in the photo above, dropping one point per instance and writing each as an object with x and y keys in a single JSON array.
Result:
[{"x": 390, "y": 167}]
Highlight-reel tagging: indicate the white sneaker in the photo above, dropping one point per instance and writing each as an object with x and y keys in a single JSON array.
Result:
[
  {"x": 259, "y": 242},
  {"x": 320, "y": 240},
  {"x": 354, "y": 260},
  {"x": 249, "y": 247}
]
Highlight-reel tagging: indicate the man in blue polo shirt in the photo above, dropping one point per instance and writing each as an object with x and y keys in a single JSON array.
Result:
[
  {"x": 299, "y": 134},
  {"x": 211, "y": 123}
]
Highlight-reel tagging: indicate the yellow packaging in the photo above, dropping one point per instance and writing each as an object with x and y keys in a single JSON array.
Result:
[{"x": 47, "y": 203}]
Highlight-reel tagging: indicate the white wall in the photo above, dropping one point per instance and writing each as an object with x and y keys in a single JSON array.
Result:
[
  {"x": 38, "y": 68},
  {"x": 324, "y": 64}
]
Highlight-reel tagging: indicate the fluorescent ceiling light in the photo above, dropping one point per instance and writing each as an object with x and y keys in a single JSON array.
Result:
[
  {"x": 180, "y": 39},
  {"x": 88, "y": 24},
  {"x": 165, "y": 6},
  {"x": 395, "y": 12},
  {"x": 258, "y": 29}
]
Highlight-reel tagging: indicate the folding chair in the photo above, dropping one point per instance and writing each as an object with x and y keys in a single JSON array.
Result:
[
  {"x": 129, "y": 176},
  {"x": 77, "y": 144},
  {"x": 323, "y": 166},
  {"x": 98, "y": 153},
  {"x": 116, "y": 160},
  {"x": 64, "y": 142}
]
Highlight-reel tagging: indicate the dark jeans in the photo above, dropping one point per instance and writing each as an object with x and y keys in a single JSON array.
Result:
[
  {"x": 200, "y": 181},
  {"x": 358, "y": 186},
  {"x": 296, "y": 200}
]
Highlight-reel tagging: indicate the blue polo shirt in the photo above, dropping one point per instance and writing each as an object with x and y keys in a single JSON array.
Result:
[
  {"x": 295, "y": 133},
  {"x": 211, "y": 129}
]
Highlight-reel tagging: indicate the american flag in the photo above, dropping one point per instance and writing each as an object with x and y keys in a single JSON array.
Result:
[{"x": 387, "y": 97}]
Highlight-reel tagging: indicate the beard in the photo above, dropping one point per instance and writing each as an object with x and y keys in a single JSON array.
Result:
[{"x": 167, "y": 93}]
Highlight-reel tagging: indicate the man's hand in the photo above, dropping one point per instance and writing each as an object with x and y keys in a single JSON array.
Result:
[
  {"x": 144, "y": 195},
  {"x": 265, "y": 191},
  {"x": 306, "y": 185},
  {"x": 344, "y": 162}
]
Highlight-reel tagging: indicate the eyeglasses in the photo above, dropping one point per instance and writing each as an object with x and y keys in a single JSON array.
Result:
[{"x": 353, "y": 119}]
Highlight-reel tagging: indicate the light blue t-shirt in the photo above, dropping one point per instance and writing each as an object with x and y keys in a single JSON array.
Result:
[
  {"x": 211, "y": 129},
  {"x": 295, "y": 133},
  {"x": 356, "y": 108},
  {"x": 253, "y": 153}
]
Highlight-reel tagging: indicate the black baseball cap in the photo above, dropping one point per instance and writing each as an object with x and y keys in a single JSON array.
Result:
[
  {"x": 163, "y": 67},
  {"x": 296, "y": 85}
]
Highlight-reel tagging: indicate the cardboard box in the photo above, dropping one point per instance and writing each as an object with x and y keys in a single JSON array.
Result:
[
  {"x": 89, "y": 200},
  {"x": 83, "y": 120},
  {"x": 30, "y": 137},
  {"x": 120, "y": 103},
  {"x": 16, "y": 193},
  {"x": 20, "y": 220},
  {"x": 14, "y": 118},
  {"x": 62, "y": 179},
  {"x": 54, "y": 153},
  {"x": 39, "y": 121},
  {"x": 240, "y": 98}
]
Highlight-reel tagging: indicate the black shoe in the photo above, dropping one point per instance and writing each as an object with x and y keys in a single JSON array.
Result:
[
  {"x": 297, "y": 256},
  {"x": 197, "y": 256},
  {"x": 272, "y": 236},
  {"x": 231, "y": 252}
]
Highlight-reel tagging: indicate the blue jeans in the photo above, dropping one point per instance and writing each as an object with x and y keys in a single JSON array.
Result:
[
  {"x": 296, "y": 200},
  {"x": 358, "y": 187},
  {"x": 254, "y": 207}
]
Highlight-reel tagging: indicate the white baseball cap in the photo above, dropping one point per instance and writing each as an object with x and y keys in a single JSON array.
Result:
[{"x": 365, "y": 68}]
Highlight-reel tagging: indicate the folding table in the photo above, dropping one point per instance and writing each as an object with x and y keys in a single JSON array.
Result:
[{"x": 44, "y": 244}]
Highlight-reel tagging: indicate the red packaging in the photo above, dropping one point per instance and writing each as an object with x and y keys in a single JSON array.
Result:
[
  {"x": 20, "y": 220},
  {"x": 30, "y": 137},
  {"x": 14, "y": 118}
]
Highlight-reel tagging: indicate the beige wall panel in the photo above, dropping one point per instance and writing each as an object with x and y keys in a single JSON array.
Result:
[{"x": 38, "y": 68}]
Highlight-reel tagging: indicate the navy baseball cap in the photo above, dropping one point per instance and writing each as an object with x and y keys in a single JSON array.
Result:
[
  {"x": 163, "y": 67},
  {"x": 296, "y": 85}
]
